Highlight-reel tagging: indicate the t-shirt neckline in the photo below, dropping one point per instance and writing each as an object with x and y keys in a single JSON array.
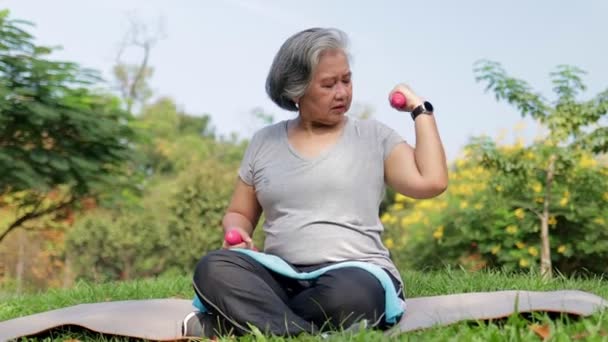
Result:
[{"x": 325, "y": 153}]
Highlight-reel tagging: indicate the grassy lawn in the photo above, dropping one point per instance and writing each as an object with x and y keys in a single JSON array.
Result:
[{"x": 515, "y": 328}]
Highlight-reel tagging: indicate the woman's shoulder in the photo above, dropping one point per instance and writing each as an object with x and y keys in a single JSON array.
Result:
[{"x": 269, "y": 132}]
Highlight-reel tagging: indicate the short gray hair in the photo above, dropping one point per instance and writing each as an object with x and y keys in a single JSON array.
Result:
[{"x": 294, "y": 64}]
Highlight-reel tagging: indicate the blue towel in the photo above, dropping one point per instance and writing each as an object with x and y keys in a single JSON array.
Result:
[{"x": 394, "y": 305}]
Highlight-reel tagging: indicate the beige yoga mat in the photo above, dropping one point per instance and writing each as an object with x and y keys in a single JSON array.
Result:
[{"x": 160, "y": 319}]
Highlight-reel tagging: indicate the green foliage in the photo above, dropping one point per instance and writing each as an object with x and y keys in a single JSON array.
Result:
[
  {"x": 189, "y": 178},
  {"x": 573, "y": 130},
  {"x": 133, "y": 83},
  {"x": 197, "y": 209},
  {"x": 516, "y": 206},
  {"x": 488, "y": 218},
  {"x": 570, "y": 121},
  {"x": 168, "y": 232},
  {"x": 174, "y": 139},
  {"x": 104, "y": 247},
  {"x": 54, "y": 130}
]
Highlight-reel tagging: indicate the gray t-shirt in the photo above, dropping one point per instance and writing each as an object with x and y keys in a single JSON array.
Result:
[{"x": 323, "y": 209}]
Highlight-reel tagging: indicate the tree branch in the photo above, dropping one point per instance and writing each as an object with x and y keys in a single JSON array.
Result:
[{"x": 33, "y": 214}]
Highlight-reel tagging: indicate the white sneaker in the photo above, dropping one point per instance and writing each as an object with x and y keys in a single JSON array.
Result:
[{"x": 198, "y": 324}]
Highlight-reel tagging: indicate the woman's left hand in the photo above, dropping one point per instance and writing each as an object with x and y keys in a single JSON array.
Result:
[{"x": 411, "y": 99}]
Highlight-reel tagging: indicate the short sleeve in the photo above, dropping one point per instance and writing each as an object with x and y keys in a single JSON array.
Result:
[
  {"x": 247, "y": 163},
  {"x": 389, "y": 138}
]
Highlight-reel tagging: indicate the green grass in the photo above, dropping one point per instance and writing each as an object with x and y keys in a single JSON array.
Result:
[{"x": 515, "y": 328}]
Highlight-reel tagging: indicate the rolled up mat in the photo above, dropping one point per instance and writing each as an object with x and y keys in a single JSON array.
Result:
[
  {"x": 427, "y": 312},
  {"x": 160, "y": 319}
]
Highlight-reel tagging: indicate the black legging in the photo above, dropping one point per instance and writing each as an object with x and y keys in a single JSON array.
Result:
[{"x": 240, "y": 290}]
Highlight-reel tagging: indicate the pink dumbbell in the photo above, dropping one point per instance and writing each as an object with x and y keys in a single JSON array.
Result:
[
  {"x": 398, "y": 100},
  {"x": 233, "y": 237}
]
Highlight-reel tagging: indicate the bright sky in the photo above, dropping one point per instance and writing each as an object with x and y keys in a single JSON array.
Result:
[{"x": 216, "y": 54}]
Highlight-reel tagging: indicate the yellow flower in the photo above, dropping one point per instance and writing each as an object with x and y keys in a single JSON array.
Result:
[
  {"x": 523, "y": 263},
  {"x": 464, "y": 204},
  {"x": 549, "y": 142},
  {"x": 587, "y": 161},
  {"x": 495, "y": 249},
  {"x": 599, "y": 221},
  {"x": 539, "y": 200},
  {"x": 561, "y": 249},
  {"x": 412, "y": 218},
  {"x": 512, "y": 229},
  {"x": 499, "y": 188},
  {"x": 398, "y": 206},
  {"x": 533, "y": 251},
  {"x": 552, "y": 220},
  {"x": 519, "y": 213},
  {"x": 564, "y": 201},
  {"x": 520, "y": 244},
  {"x": 537, "y": 187},
  {"x": 425, "y": 204},
  {"x": 389, "y": 243},
  {"x": 386, "y": 217},
  {"x": 438, "y": 234},
  {"x": 529, "y": 155},
  {"x": 605, "y": 196},
  {"x": 478, "y": 170},
  {"x": 399, "y": 198}
]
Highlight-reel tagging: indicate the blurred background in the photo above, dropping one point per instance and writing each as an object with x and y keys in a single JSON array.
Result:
[{"x": 122, "y": 124}]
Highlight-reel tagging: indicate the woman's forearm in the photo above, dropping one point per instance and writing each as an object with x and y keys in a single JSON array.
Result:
[{"x": 234, "y": 219}]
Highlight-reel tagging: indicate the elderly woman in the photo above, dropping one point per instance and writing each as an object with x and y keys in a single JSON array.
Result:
[{"x": 319, "y": 179}]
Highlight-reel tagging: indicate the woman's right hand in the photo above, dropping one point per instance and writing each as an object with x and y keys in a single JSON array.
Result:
[{"x": 246, "y": 243}]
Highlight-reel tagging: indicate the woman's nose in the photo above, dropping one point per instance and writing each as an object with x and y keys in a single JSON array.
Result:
[{"x": 341, "y": 90}]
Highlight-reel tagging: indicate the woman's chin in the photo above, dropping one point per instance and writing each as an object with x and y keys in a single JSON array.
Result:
[{"x": 338, "y": 111}]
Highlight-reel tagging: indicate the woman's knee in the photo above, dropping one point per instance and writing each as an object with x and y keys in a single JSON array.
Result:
[
  {"x": 211, "y": 270},
  {"x": 353, "y": 294}
]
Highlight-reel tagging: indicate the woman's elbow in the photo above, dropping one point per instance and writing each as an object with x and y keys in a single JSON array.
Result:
[
  {"x": 441, "y": 187},
  {"x": 437, "y": 187}
]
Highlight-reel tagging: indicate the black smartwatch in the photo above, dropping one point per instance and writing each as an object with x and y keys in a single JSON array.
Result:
[{"x": 425, "y": 108}]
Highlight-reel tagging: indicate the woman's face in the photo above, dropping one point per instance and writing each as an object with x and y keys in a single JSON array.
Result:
[{"x": 329, "y": 94}]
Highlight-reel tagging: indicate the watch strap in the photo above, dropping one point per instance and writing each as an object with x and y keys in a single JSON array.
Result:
[{"x": 423, "y": 108}]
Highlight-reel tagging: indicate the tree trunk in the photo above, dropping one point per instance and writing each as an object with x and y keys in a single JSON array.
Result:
[
  {"x": 20, "y": 267},
  {"x": 546, "y": 269},
  {"x": 68, "y": 277}
]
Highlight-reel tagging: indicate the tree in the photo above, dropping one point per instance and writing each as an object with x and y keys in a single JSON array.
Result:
[
  {"x": 59, "y": 140},
  {"x": 133, "y": 78},
  {"x": 574, "y": 131},
  {"x": 175, "y": 139}
]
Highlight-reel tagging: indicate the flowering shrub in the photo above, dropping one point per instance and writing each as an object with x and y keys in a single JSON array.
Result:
[{"x": 488, "y": 218}]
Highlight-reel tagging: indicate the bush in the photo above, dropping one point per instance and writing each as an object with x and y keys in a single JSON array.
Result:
[
  {"x": 488, "y": 219},
  {"x": 168, "y": 232},
  {"x": 104, "y": 246}
]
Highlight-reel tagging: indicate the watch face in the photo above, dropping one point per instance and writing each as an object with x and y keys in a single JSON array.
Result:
[{"x": 428, "y": 106}]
